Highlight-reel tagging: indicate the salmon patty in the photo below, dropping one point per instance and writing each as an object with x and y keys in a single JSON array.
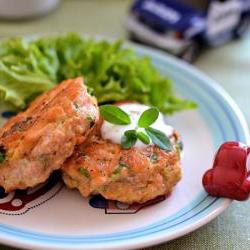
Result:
[
  {"x": 134, "y": 175},
  {"x": 36, "y": 142}
]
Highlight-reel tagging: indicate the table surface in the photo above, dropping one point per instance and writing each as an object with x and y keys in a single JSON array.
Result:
[{"x": 229, "y": 65}]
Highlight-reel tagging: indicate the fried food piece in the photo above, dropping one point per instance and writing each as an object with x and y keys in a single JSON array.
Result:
[
  {"x": 38, "y": 140},
  {"x": 134, "y": 175}
]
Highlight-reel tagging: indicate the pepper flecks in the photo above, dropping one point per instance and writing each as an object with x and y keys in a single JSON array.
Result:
[
  {"x": 19, "y": 126},
  {"x": 123, "y": 165},
  {"x": 76, "y": 105},
  {"x": 84, "y": 172},
  {"x": 154, "y": 158},
  {"x": 44, "y": 160},
  {"x": 89, "y": 118}
]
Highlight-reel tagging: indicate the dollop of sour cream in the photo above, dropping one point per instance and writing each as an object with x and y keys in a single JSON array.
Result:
[{"x": 114, "y": 132}]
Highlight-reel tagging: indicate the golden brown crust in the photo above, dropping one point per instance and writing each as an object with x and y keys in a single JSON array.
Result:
[
  {"x": 38, "y": 140},
  {"x": 134, "y": 175}
]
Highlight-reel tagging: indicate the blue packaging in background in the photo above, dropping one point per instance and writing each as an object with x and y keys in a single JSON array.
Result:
[{"x": 184, "y": 27}]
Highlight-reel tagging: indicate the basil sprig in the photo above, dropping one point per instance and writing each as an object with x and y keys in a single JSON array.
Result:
[
  {"x": 114, "y": 115},
  {"x": 129, "y": 139},
  {"x": 159, "y": 139},
  {"x": 143, "y": 137},
  {"x": 148, "y": 117}
]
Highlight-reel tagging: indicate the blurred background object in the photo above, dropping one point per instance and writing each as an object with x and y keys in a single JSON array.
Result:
[
  {"x": 19, "y": 9},
  {"x": 183, "y": 27}
]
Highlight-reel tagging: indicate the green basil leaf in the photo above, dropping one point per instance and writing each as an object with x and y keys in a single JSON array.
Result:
[
  {"x": 114, "y": 115},
  {"x": 128, "y": 141},
  {"x": 143, "y": 137},
  {"x": 148, "y": 117},
  {"x": 131, "y": 132},
  {"x": 159, "y": 139}
]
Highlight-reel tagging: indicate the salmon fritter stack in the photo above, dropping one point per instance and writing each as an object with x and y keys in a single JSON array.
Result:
[
  {"x": 37, "y": 141},
  {"x": 126, "y": 175}
]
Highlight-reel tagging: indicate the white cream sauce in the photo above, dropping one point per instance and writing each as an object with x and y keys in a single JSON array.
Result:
[{"x": 114, "y": 132}]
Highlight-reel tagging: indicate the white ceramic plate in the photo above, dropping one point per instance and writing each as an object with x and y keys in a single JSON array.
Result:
[{"x": 52, "y": 217}]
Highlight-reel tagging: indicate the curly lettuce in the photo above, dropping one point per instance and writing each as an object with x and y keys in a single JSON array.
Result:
[{"x": 112, "y": 72}]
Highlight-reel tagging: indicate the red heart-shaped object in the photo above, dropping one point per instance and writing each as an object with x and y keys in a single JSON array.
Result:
[{"x": 229, "y": 176}]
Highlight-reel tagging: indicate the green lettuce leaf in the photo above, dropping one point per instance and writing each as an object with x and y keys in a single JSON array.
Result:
[{"x": 112, "y": 72}]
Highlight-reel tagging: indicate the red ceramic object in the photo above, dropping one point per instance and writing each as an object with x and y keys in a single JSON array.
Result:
[{"x": 230, "y": 174}]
